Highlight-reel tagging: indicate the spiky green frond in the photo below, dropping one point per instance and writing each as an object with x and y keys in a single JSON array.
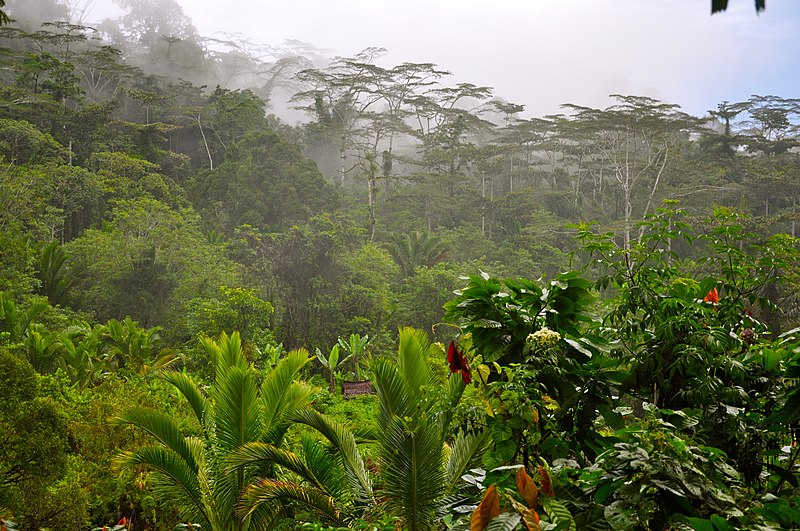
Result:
[
  {"x": 236, "y": 408},
  {"x": 327, "y": 467},
  {"x": 175, "y": 471},
  {"x": 416, "y": 249},
  {"x": 446, "y": 405},
  {"x": 392, "y": 391},
  {"x": 186, "y": 385},
  {"x": 225, "y": 353},
  {"x": 344, "y": 442},
  {"x": 268, "y": 491},
  {"x": 266, "y": 516},
  {"x": 412, "y": 360},
  {"x": 212, "y": 349},
  {"x": 412, "y": 471},
  {"x": 276, "y": 389},
  {"x": 165, "y": 430},
  {"x": 259, "y": 453},
  {"x": 465, "y": 453},
  {"x": 298, "y": 396},
  {"x": 231, "y": 350}
]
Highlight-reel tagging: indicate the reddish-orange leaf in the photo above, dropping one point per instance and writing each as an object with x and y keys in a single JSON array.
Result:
[
  {"x": 547, "y": 486},
  {"x": 123, "y": 521},
  {"x": 488, "y": 509},
  {"x": 527, "y": 487},
  {"x": 455, "y": 358},
  {"x": 712, "y": 296}
]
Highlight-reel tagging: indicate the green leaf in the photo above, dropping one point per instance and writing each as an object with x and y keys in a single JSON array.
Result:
[
  {"x": 620, "y": 515},
  {"x": 505, "y": 450},
  {"x": 701, "y": 524},
  {"x": 580, "y": 348},
  {"x": 557, "y": 512},
  {"x": 504, "y": 522},
  {"x": 721, "y": 524}
]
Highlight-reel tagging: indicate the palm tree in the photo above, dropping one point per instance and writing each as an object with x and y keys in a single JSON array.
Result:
[
  {"x": 416, "y": 249},
  {"x": 56, "y": 277},
  {"x": 130, "y": 346},
  {"x": 194, "y": 470},
  {"x": 417, "y": 468}
]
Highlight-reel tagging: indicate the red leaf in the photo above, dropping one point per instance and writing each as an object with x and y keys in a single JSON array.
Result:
[
  {"x": 547, "y": 487},
  {"x": 488, "y": 509},
  {"x": 527, "y": 488},
  {"x": 454, "y": 357},
  {"x": 712, "y": 296}
]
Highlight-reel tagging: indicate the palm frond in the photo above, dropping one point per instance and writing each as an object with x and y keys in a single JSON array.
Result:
[
  {"x": 231, "y": 353},
  {"x": 392, "y": 391},
  {"x": 166, "y": 359},
  {"x": 344, "y": 442},
  {"x": 165, "y": 430},
  {"x": 259, "y": 453},
  {"x": 268, "y": 491},
  {"x": 412, "y": 360},
  {"x": 212, "y": 349},
  {"x": 365, "y": 434},
  {"x": 411, "y": 459},
  {"x": 446, "y": 406},
  {"x": 465, "y": 453},
  {"x": 276, "y": 389},
  {"x": 236, "y": 414},
  {"x": 186, "y": 385},
  {"x": 172, "y": 468},
  {"x": 266, "y": 516},
  {"x": 327, "y": 467}
]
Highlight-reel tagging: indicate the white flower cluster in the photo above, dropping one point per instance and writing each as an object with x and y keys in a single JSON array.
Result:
[{"x": 544, "y": 338}]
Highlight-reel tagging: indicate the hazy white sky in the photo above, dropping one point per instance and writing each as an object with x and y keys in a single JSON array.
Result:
[{"x": 542, "y": 53}]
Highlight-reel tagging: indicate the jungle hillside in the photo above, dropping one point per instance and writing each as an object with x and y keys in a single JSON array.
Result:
[{"x": 414, "y": 307}]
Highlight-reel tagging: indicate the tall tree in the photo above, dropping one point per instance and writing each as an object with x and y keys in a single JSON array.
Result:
[
  {"x": 339, "y": 97},
  {"x": 264, "y": 182},
  {"x": 634, "y": 140}
]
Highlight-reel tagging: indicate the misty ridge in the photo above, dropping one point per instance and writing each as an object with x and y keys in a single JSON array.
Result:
[{"x": 248, "y": 285}]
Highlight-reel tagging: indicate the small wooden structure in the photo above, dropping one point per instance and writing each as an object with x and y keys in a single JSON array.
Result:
[{"x": 362, "y": 387}]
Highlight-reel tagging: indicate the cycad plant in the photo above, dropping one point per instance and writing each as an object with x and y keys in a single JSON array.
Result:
[
  {"x": 418, "y": 467},
  {"x": 54, "y": 273},
  {"x": 419, "y": 462},
  {"x": 416, "y": 249},
  {"x": 194, "y": 468}
]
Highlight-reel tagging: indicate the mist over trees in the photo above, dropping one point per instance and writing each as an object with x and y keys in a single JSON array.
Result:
[{"x": 584, "y": 320}]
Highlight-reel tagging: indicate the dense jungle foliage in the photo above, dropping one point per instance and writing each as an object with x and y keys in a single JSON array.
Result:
[{"x": 580, "y": 321}]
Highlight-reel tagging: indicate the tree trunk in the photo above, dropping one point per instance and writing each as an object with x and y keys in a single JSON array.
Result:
[
  {"x": 205, "y": 142},
  {"x": 371, "y": 192}
]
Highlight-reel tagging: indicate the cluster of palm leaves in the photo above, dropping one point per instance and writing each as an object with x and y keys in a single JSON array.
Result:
[
  {"x": 241, "y": 469},
  {"x": 82, "y": 351},
  {"x": 416, "y": 249}
]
